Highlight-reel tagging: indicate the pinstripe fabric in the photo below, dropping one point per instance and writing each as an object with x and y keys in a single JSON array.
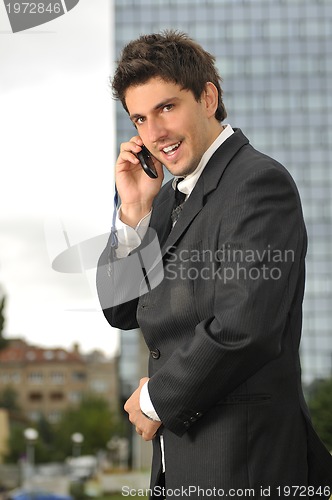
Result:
[{"x": 227, "y": 382}]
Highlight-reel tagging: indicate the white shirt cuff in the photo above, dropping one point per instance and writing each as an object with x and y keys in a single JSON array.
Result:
[
  {"x": 146, "y": 403},
  {"x": 130, "y": 238}
]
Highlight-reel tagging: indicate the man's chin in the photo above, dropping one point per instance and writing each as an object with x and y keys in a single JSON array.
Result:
[{"x": 179, "y": 171}]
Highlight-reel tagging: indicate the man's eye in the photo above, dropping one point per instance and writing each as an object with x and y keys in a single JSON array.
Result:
[
  {"x": 168, "y": 107},
  {"x": 139, "y": 120}
]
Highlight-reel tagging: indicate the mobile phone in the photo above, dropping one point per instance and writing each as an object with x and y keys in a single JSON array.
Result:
[{"x": 146, "y": 161}]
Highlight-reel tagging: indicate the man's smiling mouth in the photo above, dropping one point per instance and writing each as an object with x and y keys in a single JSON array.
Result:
[{"x": 169, "y": 150}]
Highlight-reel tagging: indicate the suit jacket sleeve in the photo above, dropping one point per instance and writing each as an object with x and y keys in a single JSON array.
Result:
[
  {"x": 110, "y": 272},
  {"x": 121, "y": 281},
  {"x": 263, "y": 219}
]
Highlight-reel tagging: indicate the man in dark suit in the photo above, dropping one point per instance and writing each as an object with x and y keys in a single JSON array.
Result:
[{"x": 223, "y": 402}]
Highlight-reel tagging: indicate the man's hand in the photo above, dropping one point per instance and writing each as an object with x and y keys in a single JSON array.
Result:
[
  {"x": 136, "y": 190},
  {"x": 144, "y": 426}
]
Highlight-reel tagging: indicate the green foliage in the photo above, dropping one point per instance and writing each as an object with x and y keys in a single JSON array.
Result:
[
  {"x": 8, "y": 399},
  {"x": 16, "y": 443},
  {"x": 77, "y": 491},
  {"x": 320, "y": 405},
  {"x": 94, "y": 420},
  {"x": 3, "y": 342},
  {"x": 45, "y": 447}
]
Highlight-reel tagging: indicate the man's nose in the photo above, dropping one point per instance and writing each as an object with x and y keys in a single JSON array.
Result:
[{"x": 156, "y": 130}]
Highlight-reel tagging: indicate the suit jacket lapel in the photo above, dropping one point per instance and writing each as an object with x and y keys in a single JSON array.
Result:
[{"x": 161, "y": 214}]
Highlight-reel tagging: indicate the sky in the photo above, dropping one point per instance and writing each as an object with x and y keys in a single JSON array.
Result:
[{"x": 57, "y": 129}]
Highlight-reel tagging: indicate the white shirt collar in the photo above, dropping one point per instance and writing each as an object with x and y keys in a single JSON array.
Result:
[{"x": 187, "y": 185}]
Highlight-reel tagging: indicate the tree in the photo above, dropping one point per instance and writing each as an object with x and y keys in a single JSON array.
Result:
[
  {"x": 320, "y": 405},
  {"x": 3, "y": 342},
  {"x": 16, "y": 443},
  {"x": 94, "y": 420},
  {"x": 8, "y": 399},
  {"x": 46, "y": 443}
]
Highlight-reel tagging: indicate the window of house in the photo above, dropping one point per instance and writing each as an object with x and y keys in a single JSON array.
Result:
[
  {"x": 35, "y": 397},
  {"x": 57, "y": 378},
  {"x": 35, "y": 378},
  {"x": 79, "y": 376},
  {"x": 56, "y": 396},
  {"x": 54, "y": 417}
]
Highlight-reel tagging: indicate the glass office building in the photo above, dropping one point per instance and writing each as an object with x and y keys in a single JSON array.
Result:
[{"x": 275, "y": 58}]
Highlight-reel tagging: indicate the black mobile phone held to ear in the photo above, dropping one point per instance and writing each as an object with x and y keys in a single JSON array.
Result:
[{"x": 146, "y": 161}]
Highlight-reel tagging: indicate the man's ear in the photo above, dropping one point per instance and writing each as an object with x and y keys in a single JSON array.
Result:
[{"x": 210, "y": 98}]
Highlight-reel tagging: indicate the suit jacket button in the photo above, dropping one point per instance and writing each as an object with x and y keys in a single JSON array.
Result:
[{"x": 155, "y": 353}]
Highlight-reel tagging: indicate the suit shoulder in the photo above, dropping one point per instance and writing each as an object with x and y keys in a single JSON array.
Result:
[{"x": 249, "y": 163}]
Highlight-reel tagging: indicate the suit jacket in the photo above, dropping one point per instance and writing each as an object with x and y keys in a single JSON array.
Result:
[{"x": 223, "y": 328}]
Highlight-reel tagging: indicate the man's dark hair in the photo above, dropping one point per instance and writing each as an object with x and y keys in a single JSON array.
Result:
[{"x": 172, "y": 56}]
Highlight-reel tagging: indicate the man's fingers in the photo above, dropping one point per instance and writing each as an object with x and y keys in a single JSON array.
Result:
[{"x": 148, "y": 436}]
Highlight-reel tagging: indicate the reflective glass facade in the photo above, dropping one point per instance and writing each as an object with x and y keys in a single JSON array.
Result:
[{"x": 276, "y": 61}]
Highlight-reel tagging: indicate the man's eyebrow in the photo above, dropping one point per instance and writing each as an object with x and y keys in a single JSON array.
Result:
[
  {"x": 134, "y": 117},
  {"x": 165, "y": 101},
  {"x": 161, "y": 104}
]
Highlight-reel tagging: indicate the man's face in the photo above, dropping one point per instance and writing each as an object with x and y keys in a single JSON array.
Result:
[{"x": 172, "y": 124}]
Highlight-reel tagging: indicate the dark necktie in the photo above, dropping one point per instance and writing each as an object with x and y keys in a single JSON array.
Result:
[{"x": 178, "y": 203}]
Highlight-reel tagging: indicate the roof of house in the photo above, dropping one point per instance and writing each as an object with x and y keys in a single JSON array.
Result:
[{"x": 25, "y": 353}]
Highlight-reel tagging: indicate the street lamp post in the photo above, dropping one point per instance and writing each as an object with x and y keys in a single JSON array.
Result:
[
  {"x": 31, "y": 436},
  {"x": 77, "y": 439}
]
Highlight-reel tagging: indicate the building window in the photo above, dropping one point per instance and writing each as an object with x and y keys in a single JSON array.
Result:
[
  {"x": 8, "y": 378},
  {"x": 35, "y": 397},
  {"x": 62, "y": 355},
  {"x": 5, "y": 378},
  {"x": 75, "y": 397},
  {"x": 49, "y": 355},
  {"x": 57, "y": 378},
  {"x": 54, "y": 417},
  {"x": 35, "y": 378},
  {"x": 99, "y": 386},
  {"x": 16, "y": 377},
  {"x": 31, "y": 355},
  {"x": 79, "y": 376},
  {"x": 34, "y": 416},
  {"x": 56, "y": 396}
]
